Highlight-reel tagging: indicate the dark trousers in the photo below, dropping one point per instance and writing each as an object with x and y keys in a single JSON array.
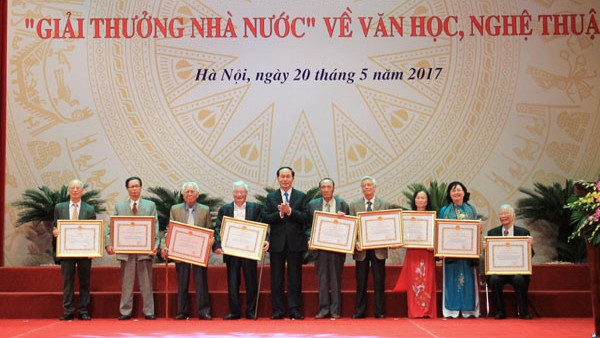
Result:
[
  {"x": 329, "y": 266},
  {"x": 67, "y": 269},
  {"x": 200, "y": 283},
  {"x": 519, "y": 282},
  {"x": 362, "y": 276},
  {"x": 294, "y": 281},
  {"x": 235, "y": 265}
]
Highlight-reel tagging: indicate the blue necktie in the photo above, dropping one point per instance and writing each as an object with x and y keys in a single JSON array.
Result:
[{"x": 287, "y": 200}]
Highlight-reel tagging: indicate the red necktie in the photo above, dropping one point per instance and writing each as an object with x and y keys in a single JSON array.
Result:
[
  {"x": 134, "y": 209},
  {"x": 505, "y": 233}
]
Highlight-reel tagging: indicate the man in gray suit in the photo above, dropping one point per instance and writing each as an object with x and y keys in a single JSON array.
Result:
[
  {"x": 195, "y": 214},
  {"x": 373, "y": 257},
  {"x": 329, "y": 264},
  {"x": 135, "y": 206},
  {"x": 75, "y": 209}
]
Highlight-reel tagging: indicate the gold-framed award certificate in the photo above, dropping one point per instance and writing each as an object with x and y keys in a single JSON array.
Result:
[
  {"x": 380, "y": 229},
  {"x": 418, "y": 229},
  {"x": 242, "y": 238},
  {"x": 189, "y": 244},
  {"x": 132, "y": 234},
  {"x": 458, "y": 238},
  {"x": 333, "y": 232},
  {"x": 508, "y": 255},
  {"x": 79, "y": 238}
]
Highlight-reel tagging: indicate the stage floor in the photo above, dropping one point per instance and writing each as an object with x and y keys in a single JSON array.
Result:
[{"x": 265, "y": 327}]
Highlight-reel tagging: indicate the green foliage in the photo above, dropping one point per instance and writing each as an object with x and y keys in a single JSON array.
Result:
[
  {"x": 37, "y": 205},
  {"x": 546, "y": 202},
  {"x": 437, "y": 193}
]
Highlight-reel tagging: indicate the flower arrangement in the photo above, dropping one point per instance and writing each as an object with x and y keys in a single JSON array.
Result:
[{"x": 586, "y": 212}]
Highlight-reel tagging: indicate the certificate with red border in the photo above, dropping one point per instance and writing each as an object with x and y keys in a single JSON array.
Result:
[{"x": 188, "y": 243}]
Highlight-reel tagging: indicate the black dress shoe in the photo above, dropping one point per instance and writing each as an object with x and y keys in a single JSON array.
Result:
[
  {"x": 150, "y": 317},
  {"x": 251, "y": 316},
  {"x": 322, "y": 315},
  {"x": 67, "y": 317},
  {"x": 277, "y": 316},
  {"x": 526, "y": 316},
  {"x": 358, "y": 316},
  {"x": 380, "y": 316},
  {"x": 296, "y": 315},
  {"x": 231, "y": 316},
  {"x": 204, "y": 316},
  {"x": 500, "y": 315},
  {"x": 124, "y": 317},
  {"x": 84, "y": 316},
  {"x": 182, "y": 316}
]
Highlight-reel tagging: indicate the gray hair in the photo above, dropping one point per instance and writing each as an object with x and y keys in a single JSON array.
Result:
[
  {"x": 75, "y": 181},
  {"x": 194, "y": 185},
  {"x": 507, "y": 207},
  {"x": 370, "y": 178},
  {"x": 240, "y": 184}
]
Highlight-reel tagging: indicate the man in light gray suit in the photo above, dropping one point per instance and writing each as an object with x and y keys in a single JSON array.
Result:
[
  {"x": 135, "y": 206},
  {"x": 75, "y": 209},
  {"x": 198, "y": 215},
  {"x": 329, "y": 264},
  {"x": 373, "y": 257}
]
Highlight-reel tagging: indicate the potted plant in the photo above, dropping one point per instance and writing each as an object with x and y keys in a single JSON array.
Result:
[{"x": 546, "y": 202}]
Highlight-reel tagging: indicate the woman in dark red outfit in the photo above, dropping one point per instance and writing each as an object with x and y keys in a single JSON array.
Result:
[{"x": 418, "y": 273}]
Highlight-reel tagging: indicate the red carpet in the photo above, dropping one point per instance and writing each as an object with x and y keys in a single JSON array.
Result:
[{"x": 345, "y": 327}]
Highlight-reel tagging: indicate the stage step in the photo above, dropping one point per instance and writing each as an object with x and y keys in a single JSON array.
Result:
[{"x": 556, "y": 290}]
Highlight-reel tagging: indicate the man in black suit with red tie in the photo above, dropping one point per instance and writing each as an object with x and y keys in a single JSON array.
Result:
[
  {"x": 286, "y": 211},
  {"x": 519, "y": 282},
  {"x": 240, "y": 209}
]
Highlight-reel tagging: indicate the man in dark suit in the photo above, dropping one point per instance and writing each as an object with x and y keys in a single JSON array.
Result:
[
  {"x": 373, "y": 257},
  {"x": 519, "y": 282},
  {"x": 240, "y": 209},
  {"x": 286, "y": 211},
  {"x": 195, "y": 214},
  {"x": 329, "y": 264},
  {"x": 135, "y": 206},
  {"x": 75, "y": 209}
]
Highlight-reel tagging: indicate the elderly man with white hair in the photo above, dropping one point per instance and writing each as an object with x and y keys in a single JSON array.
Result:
[{"x": 519, "y": 282}]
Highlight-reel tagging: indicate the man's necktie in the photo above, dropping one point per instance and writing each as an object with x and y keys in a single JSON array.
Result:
[
  {"x": 286, "y": 195},
  {"x": 134, "y": 209},
  {"x": 75, "y": 214},
  {"x": 328, "y": 207},
  {"x": 369, "y": 206},
  {"x": 505, "y": 233},
  {"x": 190, "y": 218}
]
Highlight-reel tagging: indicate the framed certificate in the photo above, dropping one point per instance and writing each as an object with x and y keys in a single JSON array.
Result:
[
  {"x": 508, "y": 255},
  {"x": 242, "y": 238},
  {"x": 189, "y": 244},
  {"x": 79, "y": 238},
  {"x": 380, "y": 229},
  {"x": 458, "y": 238},
  {"x": 333, "y": 232},
  {"x": 132, "y": 234},
  {"x": 418, "y": 229}
]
